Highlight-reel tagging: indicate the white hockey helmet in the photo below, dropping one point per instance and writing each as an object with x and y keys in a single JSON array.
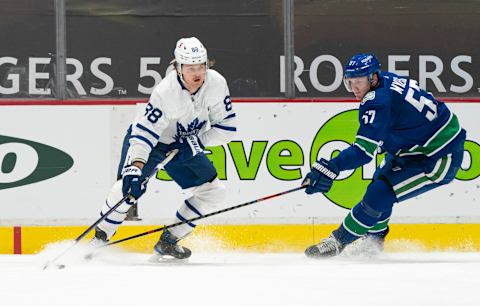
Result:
[{"x": 190, "y": 51}]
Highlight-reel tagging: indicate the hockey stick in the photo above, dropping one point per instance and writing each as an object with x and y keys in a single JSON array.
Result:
[
  {"x": 205, "y": 216},
  {"x": 168, "y": 158}
]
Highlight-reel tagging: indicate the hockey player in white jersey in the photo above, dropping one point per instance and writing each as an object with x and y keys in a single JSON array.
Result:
[{"x": 189, "y": 109}]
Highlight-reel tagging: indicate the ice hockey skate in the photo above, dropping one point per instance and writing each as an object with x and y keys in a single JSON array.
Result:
[
  {"x": 370, "y": 245},
  {"x": 328, "y": 247},
  {"x": 378, "y": 239},
  {"x": 98, "y": 240},
  {"x": 167, "y": 249}
]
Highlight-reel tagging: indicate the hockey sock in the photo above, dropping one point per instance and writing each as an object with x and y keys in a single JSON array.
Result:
[
  {"x": 186, "y": 211},
  {"x": 369, "y": 214},
  {"x": 381, "y": 225}
]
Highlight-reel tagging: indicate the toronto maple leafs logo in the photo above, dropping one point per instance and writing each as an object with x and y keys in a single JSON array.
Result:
[{"x": 192, "y": 129}]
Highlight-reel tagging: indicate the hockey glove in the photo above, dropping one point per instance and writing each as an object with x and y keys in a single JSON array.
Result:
[
  {"x": 132, "y": 184},
  {"x": 320, "y": 179},
  {"x": 188, "y": 147}
]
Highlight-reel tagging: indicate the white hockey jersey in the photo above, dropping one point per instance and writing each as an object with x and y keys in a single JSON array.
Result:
[{"x": 172, "y": 112}]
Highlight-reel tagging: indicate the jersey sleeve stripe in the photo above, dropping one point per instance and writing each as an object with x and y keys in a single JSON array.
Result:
[
  {"x": 230, "y": 116},
  {"x": 366, "y": 139},
  {"x": 143, "y": 128},
  {"x": 145, "y": 140},
  {"x": 363, "y": 150},
  {"x": 226, "y": 128},
  {"x": 367, "y": 145}
]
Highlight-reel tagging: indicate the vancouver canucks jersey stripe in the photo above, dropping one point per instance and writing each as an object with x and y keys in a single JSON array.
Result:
[
  {"x": 367, "y": 145},
  {"x": 439, "y": 140},
  {"x": 355, "y": 227},
  {"x": 380, "y": 226},
  {"x": 416, "y": 182}
]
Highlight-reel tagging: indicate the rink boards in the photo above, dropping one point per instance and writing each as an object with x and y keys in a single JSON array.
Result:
[
  {"x": 275, "y": 143},
  {"x": 250, "y": 238}
]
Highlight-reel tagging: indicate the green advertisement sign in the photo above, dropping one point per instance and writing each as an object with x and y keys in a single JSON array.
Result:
[
  {"x": 24, "y": 162},
  {"x": 285, "y": 158}
]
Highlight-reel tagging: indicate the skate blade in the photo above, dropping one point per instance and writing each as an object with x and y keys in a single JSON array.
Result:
[{"x": 165, "y": 259}]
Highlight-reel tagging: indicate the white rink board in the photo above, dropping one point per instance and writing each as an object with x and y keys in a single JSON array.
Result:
[
  {"x": 82, "y": 132},
  {"x": 92, "y": 135}
]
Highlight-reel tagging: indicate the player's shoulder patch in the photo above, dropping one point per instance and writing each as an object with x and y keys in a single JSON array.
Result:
[{"x": 368, "y": 97}]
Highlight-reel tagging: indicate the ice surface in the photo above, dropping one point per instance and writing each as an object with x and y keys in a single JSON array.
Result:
[{"x": 119, "y": 278}]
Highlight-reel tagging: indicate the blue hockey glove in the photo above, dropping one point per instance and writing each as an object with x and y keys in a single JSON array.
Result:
[
  {"x": 132, "y": 185},
  {"x": 188, "y": 147},
  {"x": 320, "y": 179}
]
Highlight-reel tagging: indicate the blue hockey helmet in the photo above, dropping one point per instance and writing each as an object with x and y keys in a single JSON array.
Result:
[{"x": 363, "y": 64}]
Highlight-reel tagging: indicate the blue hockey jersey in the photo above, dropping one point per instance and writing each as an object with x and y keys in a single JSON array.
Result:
[{"x": 400, "y": 118}]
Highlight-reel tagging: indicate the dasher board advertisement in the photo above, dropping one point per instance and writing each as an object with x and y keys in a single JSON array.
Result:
[{"x": 59, "y": 162}]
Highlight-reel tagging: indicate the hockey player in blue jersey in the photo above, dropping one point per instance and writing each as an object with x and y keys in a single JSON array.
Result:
[
  {"x": 422, "y": 139},
  {"x": 188, "y": 110}
]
